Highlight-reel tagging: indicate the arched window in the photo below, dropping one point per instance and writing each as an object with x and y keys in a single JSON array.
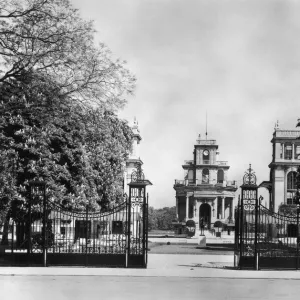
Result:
[
  {"x": 205, "y": 176},
  {"x": 291, "y": 187},
  {"x": 205, "y": 156},
  {"x": 220, "y": 176}
]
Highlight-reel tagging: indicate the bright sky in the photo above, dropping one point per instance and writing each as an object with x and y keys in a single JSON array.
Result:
[{"x": 238, "y": 60}]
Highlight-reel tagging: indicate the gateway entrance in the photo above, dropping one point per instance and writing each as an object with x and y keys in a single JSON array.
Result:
[{"x": 205, "y": 213}]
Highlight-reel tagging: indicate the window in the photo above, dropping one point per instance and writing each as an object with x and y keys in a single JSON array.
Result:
[
  {"x": 290, "y": 198},
  {"x": 291, "y": 187},
  {"x": 205, "y": 176},
  {"x": 291, "y": 181},
  {"x": 288, "y": 152},
  {"x": 191, "y": 176},
  {"x": 220, "y": 176},
  {"x": 297, "y": 154}
]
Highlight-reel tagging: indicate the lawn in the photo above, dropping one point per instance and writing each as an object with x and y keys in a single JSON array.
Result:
[{"x": 164, "y": 248}]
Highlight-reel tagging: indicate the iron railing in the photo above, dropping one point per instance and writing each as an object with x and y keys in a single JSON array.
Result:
[
  {"x": 271, "y": 239},
  {"x": 53, "y": 235}
]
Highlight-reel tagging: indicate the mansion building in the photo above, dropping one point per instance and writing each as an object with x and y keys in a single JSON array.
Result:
[
  {"x": 205, "y": 192},
  {"x": 283, "y": 167}
]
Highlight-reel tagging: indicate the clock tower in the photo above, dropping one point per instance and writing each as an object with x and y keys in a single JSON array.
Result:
[{"x": 205, "y": 193}]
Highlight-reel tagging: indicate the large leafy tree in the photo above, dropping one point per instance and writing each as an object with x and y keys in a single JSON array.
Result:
[
  {"x": 58, "y": 95},
  {"x": 78, "y": 151},
  {"x": 108, "y": 142},
  {"x": 49, "y": 37}
]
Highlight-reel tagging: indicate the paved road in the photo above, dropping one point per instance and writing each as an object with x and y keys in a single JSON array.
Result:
[{"x": 109, "y": 287}]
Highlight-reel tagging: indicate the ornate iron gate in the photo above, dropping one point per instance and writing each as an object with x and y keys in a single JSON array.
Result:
[
  {"x": 264, "y": 239},
  {"x": 50, "y": 235}
]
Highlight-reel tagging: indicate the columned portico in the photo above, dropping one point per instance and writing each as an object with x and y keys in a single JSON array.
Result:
[{"x": 223, "y": 213}]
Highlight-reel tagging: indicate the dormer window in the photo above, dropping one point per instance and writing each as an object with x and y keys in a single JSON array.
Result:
[{"x": 206, "y": 156}]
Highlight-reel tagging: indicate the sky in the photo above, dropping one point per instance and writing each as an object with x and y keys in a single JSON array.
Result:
[{"x": 238, "y": 61}]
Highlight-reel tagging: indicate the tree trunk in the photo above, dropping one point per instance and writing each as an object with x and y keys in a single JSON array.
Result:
[{"x": 4, "y": 240}]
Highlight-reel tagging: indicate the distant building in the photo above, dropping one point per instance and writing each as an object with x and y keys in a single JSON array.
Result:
[
  {"x": 283, "y": 168},
  {"x": 205, "y": 192}
]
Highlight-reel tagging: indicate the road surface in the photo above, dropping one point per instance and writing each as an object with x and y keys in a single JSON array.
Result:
[{"x": 109, "y": 287}]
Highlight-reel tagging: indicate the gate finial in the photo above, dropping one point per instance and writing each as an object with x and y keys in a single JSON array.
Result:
[
  {"x": 138, "y": 175},
  {"x": 249, "y": 177}
]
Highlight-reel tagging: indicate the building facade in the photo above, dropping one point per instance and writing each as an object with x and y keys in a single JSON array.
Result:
[
  {"x": 205, "y": 192},
  {"x": 283, "y": 167},
  {"x": 134, "y": 157}
]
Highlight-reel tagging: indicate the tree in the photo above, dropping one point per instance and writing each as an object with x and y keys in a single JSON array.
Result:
[
  {"x": 79, "y": 152},
  {"x": 297, "y": 194},
  {"x": 161, "y": 219},
  {"x": 6, "y": 181},
  {"x": 58, "y": 95},
  {"x": 108, "y": 143},
  {"x": 49, "y": 38}
]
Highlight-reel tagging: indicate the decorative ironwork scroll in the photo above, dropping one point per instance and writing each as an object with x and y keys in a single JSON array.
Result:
[
  {"x": 249, "y": 177},
  {"x": 138, "y": 175}
]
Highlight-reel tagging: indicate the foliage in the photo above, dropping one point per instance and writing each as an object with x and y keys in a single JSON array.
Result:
[
  {"x": 297, "y": 194},
  {"x": 161, "y": 218},
  {"x": 49, "y": 37},
  {"x": 108, "y": 142},
  {"x": 7, "y": 183},
  {"x": 58, "y": 95},
  {"x": 287, "y": 209},
  {"x": 79, "y": 152},
  {"x": 218, "y": 224}
]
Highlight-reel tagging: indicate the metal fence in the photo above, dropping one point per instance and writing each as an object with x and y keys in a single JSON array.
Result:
[
  {"x": 50, "y": 235},
  {"x": 265, "y": 239}
]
